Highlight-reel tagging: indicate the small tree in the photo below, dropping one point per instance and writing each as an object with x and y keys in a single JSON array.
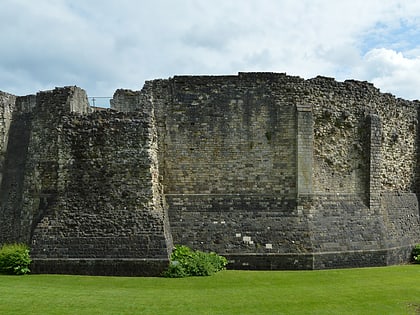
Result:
[{"x": 14, "y": 259}]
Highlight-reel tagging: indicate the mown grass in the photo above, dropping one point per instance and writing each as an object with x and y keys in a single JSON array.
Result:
[{"x": 386, "y": 290}]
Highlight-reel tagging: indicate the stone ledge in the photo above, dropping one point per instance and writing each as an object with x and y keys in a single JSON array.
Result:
[
  {"x": 100, "y": 267},
  {"x": 320, "y": 260}
]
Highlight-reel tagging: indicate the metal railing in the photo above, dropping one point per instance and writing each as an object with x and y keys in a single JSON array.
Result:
[{"x": 100, "y": 101}]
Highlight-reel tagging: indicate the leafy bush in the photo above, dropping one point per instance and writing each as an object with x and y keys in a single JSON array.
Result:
[
  {"x": 416, "y": 254},
  {"x": 187, "y": 262},
  {"x": 14, "y": 259}
]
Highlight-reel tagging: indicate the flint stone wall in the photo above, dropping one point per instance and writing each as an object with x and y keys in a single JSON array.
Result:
[
  {"x": 84, "y": 192},
  {"x": 237, "y": 152},
  {"x": 270, "y": 170}
]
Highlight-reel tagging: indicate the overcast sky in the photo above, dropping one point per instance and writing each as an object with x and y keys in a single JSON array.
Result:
[{"x": 102, "y": 45}]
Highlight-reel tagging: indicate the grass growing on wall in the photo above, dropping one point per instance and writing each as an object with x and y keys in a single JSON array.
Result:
[{"x": 386, "y": 290}]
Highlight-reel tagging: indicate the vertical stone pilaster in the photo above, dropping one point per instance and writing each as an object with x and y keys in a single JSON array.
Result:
[
  {"x": 417, "y": 175},
  {"x": 304, "y": 151},
  {"x": 375, "y": 129}
]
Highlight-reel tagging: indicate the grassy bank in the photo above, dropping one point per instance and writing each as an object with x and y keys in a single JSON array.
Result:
[{"x": 387, "y": 290}]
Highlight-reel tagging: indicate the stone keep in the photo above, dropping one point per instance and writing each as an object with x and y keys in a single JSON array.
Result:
[{"x": 269, "y": 170}]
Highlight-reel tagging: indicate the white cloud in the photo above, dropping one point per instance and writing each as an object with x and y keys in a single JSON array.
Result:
[
  {"x": 392, "y": 72},
  {"x": 104, "y": 45}
]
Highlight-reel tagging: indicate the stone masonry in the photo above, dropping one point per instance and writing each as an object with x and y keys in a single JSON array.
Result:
[{"x": 269, "y": 170}]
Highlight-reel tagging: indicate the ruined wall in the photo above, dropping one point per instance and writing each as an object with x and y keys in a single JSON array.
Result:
[
  {"x": 365, "y": 147},
  {"x": 341, "y": 161},
  {"x": 126, "y": 100},
  {"x": 341, "y": 145},
  {"x": 106, "y": 208},
  {"x": 15, "y": 132},
  {"x": 227, "y": 136},
  {"x": 89, "y": 198},
  {"x": 228, "y": 151},
  {"x": 7, "y": 104},
  {"x": 273, "y": 171},
  {"x": 232, "y": 179},
  {"x": 399, "y": 144}
]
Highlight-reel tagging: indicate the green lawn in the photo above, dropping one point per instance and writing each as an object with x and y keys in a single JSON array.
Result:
[{"x": 386, "y": 290}]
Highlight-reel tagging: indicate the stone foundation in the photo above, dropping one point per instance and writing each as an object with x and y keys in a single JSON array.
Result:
[{"x": 101, "y": 267}]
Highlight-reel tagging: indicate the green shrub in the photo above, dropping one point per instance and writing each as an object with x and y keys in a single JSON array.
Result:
[
  {"x": 175, "y": 270},
  {"x": 416, "y": 254},
  {"x": 187, "y": 262},
  {"x": 14, "y": 259}
]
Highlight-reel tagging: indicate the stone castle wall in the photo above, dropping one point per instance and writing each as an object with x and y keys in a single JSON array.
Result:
[
  {"x": 87, "y": 200},
  {"x": 272, "y": 171},
  {"x": 266, "y": 164},
  {"x": 230, "y": 165},
  {"x": 340, "y": 111}
]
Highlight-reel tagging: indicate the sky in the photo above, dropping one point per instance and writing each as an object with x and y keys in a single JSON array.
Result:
[{"x": 103, "y": 45}]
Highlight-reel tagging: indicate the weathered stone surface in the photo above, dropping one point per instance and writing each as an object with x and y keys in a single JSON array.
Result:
[
  {"x": 83, "y": 185},
  {"x": 273, "y": 171}
]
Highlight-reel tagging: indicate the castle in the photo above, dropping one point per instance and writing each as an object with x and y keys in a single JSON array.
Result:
[{"x": 272, "y": 171}]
